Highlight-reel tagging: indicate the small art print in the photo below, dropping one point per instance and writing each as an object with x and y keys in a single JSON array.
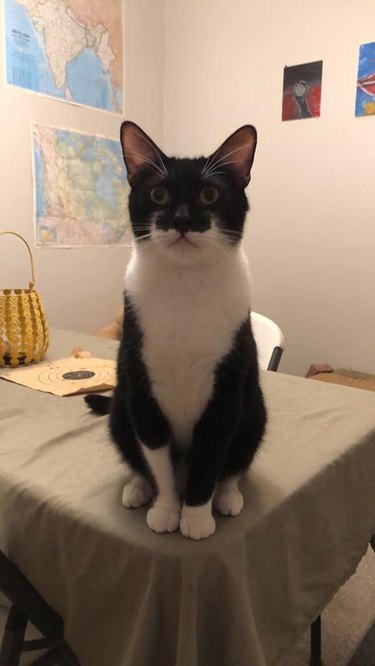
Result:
[
  {"x": 365, "y": 100},
  {"x": 302, "y": 90}
]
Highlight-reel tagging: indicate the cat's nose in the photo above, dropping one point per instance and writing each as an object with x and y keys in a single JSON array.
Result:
[{"x": 182, "y": 219}]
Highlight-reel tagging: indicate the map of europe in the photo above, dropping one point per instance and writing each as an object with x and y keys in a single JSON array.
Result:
[
  {"x": 80, "y": 191},
  {"x": 68, "y": 49}
]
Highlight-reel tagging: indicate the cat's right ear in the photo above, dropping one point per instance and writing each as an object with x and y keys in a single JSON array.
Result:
[{"x": 140, "y": 152}]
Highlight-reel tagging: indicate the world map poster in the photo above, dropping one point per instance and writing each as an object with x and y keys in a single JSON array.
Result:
[
  {"x": 69, "y": 49},
  {"x": 80, "y": 189}
]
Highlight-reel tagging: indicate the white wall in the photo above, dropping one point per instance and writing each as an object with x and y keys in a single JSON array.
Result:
[
  {"x": 311, "y": 233},
  {"x": 81, "y": 288}
]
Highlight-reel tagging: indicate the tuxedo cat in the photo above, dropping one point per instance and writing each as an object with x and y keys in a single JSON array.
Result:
[{"x": 188, "y": 402}]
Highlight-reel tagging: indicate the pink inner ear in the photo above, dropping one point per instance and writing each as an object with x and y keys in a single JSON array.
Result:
[
  {"x": 237, "y": 154},
  {"x": 135, "y": 149},
  {"x": 139, "y": 150}
]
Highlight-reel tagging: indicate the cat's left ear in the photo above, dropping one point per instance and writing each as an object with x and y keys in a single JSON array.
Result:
[
  {"x": 140, "y": 152},
  {"x": 236, "y": 154}
]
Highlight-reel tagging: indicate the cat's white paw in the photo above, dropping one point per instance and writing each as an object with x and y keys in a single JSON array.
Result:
[
  {"x": 136, "y": 493},
  {"x": 229, "y": 502},
  {"x": 196, "y": 525},
  {"x": 163, "y": 519}
]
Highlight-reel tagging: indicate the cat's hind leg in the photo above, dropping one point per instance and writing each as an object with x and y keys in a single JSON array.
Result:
[
  {"x": 228, "y": 499},
  {"x": 137, "y": 492},
  {"x": 138, "y": 488}
]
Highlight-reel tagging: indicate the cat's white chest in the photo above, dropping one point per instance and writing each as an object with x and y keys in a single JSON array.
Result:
[{"x": 188, "y": 321}]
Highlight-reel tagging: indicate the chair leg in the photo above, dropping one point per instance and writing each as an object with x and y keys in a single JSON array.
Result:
[
  {"x": 23, "y": 595},
  {"x": 316, "y": 643},
  {"x": 14, "y": 634},
  {"x": 27, "y": 604},
  {"x": 61, "y": 655}
]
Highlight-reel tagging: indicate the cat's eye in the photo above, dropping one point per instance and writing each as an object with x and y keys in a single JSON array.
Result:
[
  {"x": 208, "y": 195},
  {"x": 159, "y": 195}
]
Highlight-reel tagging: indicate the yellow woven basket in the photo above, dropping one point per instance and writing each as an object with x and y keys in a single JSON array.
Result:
[{"x": 23, "y": 325}]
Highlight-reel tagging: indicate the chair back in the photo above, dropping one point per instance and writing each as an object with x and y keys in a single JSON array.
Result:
[{"x": 269, "y": 341}]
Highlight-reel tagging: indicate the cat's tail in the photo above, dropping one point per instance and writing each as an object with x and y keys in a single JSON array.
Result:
[{"x": 99, "y": 404}]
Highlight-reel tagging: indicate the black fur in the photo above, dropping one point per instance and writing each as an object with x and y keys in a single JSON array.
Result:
[
  {"x": 227, "y": 435},
  {"x": 100, "y": 404}
]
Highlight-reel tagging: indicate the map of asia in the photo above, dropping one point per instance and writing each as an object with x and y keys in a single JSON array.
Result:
[{"x": 68, "y": 49}]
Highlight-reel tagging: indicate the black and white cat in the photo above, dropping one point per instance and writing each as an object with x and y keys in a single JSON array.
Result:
[{"x": 188, "y": 394}]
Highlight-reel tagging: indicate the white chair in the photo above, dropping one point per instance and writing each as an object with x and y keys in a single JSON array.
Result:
[{"x": 269, "y": 341}]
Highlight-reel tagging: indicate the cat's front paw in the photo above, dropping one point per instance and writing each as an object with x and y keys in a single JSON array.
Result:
[
  {"x": 229, "y": 502},
  {"x": 197, "y": 525},
  {"x": 163, "y": 519}
]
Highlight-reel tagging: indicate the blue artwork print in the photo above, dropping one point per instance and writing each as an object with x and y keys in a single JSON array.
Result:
[{"x": 365, "y": 100}]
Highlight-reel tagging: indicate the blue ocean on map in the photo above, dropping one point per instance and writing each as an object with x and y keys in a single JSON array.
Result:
[
  {"x": 87, "y": 82},
  {"x": 39, "y": 189},
  {"x": 28, "y": 66}
]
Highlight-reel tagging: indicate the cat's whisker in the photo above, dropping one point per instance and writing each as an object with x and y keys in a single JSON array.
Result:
[
  {"x": 145, "y": 239},
  {"x": 152, "y": 164},
  {"x": 144, "y": 236},
  {"x": 211, "y": 171},
  {"x": 230, "y": 233},
  {"x": 222, "y": 253},
  {"x": 216, "y": 240},
  {"x": 231, "y": 152},
  {"x": 145, "y": 229},
  {"x": 211, "y": 174},
  {"x": 156, "y": 151},
  {"x": 209, "y": 161}
]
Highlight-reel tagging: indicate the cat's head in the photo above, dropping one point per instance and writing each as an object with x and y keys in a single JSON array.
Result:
[{"x": 188, "y": 209}]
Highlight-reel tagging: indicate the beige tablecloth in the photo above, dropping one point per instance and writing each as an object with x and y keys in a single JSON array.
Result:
[{"x": 130, "y": 597}]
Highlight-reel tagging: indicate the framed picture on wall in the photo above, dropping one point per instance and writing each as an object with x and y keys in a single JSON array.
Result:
[
  {"x": 302, "y": 88},
  {"x": 365, "y": 98}
]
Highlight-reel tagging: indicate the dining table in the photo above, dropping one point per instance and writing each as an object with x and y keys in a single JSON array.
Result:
[{"x": 131, "y": 597}]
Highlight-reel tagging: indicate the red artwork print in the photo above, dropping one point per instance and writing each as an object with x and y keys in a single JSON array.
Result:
[
  {"x": 291, "y": 109},
  {"x": 302, "y": 91}
]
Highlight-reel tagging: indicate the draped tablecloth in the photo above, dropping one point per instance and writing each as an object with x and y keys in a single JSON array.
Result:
[{"x": 130, "y": 597}]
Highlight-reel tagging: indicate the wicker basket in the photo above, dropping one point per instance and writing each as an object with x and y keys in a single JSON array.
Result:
[{"x": 23, "y": 324}]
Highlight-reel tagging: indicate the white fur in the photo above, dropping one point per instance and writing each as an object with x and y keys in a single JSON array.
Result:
[
  {"x": 190, "y": 298},
  {"x": 137, "y": 492},
  {"x": 197, "y": 522},
  {"x": 164, "y": 515},
  {"x": 228, "y": 499}
]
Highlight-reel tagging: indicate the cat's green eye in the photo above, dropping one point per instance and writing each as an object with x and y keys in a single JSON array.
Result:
[
  {"x": 208, "y": 195},
  {"x": 159, "y": 195}
]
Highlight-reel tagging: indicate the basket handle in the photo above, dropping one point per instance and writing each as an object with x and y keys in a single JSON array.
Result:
[{"x": 13, "y": 233}]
